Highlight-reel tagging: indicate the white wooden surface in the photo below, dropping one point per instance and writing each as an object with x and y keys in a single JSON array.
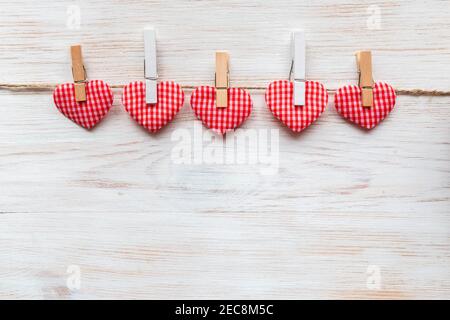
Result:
[{"x": 114, "y": 203}]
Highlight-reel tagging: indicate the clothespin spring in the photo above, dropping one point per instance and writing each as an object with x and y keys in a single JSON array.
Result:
[
  {"x": 228, "y": 82},
  {"x": 290, "y": 73},
  {"x": 85, "y": 76}
]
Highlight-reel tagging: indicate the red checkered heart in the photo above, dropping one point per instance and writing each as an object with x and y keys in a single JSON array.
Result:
[
  {"x": 349, "y": 104},
  {"x": 153, "y": 116},
  {"x": 221, "y": 120},
  {"x": 279, "y": 98},
  {"x": 99, "y": 99}
]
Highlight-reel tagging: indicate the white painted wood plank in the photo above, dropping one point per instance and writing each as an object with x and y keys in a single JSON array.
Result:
[
  {"x": 139, "y": 225},
  {"x": 410, "y": 49},
  {"x": 120, "y": 167},
  {"x": 285, "y": 254}
]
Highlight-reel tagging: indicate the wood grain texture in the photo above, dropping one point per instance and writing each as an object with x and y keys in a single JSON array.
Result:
[
  {"x": 409, "y": 50},
  {"x": 115, "y": 203}
]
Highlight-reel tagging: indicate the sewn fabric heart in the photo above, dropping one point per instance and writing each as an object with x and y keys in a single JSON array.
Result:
[
  {"x": 153, "y": 116},
  {"x": 349, "y": 104},
  {"x": 221, "y": 120},
  {"x": 99, "y": 99},
  {"x": 280, "y": 100}
]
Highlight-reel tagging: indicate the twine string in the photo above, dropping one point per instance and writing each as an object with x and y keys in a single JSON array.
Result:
[{"x": 50, "y": 87}]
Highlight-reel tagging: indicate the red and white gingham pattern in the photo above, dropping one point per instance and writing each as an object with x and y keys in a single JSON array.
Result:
[
  {"x": 221, "y": 120},
  {"x": 153, "y": 116},
  {"x": 349, "y": 104},
  {"x": 99, "y": 99},
  {"x": 280, "y": 99}
]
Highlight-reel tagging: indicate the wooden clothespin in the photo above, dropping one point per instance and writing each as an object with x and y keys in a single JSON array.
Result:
[
  {"x": 151, "y": 75},
  {"x": 222, "y": 82},
  {"x": 364, "y": 64},
  {"x": 298, "y": 67},
  {"x": 79, "y": 73}
]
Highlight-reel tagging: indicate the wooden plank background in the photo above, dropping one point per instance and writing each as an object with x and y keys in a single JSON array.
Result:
[{"x": 115, "y": 204}]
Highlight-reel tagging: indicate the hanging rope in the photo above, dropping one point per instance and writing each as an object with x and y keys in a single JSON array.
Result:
[{"x": 50, "y": 87}]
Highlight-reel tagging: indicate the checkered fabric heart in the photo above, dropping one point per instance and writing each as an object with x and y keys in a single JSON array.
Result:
[
  {"x": 221, "y": 120},
  {"x": 349, "y": 104},
  {"x": 153, "y": 116},
  {"x": 99, "y": 99},
  {"x": 280, "y": 100}
]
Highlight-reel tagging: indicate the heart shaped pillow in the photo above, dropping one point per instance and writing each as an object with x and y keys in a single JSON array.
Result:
[
  {"x": 153, "y": 116},
  {"x": 280, "y": 100},
  {"x": 349, "y": 104},
  {"x": 99, "y": 99},
  {"x": 221, "y": 120}
]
